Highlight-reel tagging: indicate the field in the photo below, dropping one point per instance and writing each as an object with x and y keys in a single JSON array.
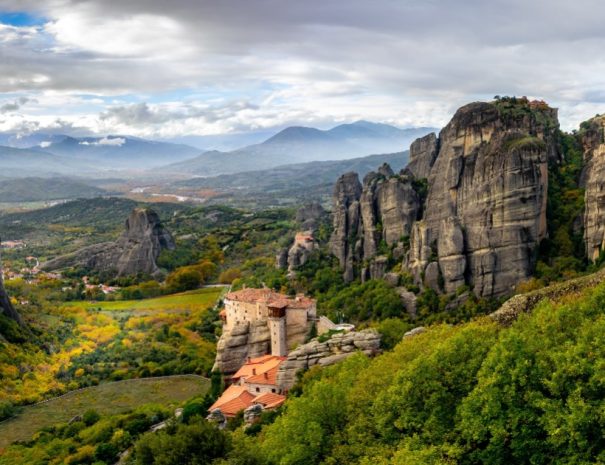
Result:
[
  {"x": 113, "y": 341},
  {"x": 109, "y": 398},
  {"x": 199, "y": 299}
]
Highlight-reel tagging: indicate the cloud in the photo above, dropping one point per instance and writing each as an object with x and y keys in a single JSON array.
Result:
[
  {"x": 15, "y": 105},
  {"x": 314, "y": 61},
  {"x": 114, "y": 141}
]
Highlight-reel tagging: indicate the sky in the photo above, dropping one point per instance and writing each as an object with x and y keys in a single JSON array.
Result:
[{"x": 167, "y": 69}]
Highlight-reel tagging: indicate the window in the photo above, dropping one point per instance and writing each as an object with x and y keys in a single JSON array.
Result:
[
  {"x": 273, "y": 390},
  {"x": 257, "y": 389}
]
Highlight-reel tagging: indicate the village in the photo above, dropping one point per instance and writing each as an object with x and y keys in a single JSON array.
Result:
[{"x": 32, "y": 274}]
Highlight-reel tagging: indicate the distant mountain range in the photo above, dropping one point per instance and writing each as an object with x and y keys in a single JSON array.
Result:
[
  {"x": 287, "y": 184},
  {"x": 52, "y": 155},
  {"x": 302, "y": 144},
  {"x": 39, "y": 189},
  {"x": 20, "y": 163}
]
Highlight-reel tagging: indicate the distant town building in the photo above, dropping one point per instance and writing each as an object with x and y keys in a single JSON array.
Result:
[{"x": 13, "y": 245}]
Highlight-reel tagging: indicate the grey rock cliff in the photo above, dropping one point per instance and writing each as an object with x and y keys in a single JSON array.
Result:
[
  {"x": 243, "y": 341},
  {"x": 339, "y": 347},
  {"x": 486, "y": 206},
  {"x": 383, "y": 210},
  {"x": 593, "y": 180},
  {"x": 309, "y": 217},
  {"x": 484, "y": 214},
  {"x": 423, "y": 153},
  {"x": 136, "y": 251}
]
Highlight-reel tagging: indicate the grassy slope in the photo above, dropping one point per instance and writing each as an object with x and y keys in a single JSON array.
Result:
[
  {"x": 107, "y": 399},
  {"x": 192, "y": 300}
]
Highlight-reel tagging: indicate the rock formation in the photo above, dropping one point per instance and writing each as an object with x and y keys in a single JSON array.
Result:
[
  {"x": 486, "y": 206},
  {"x": 371, "y": 218},
  {"x": 423, "y": 153},
  {"x": 485, "y": 210},
  {"x": 337, "y": 348},
  {"x": 592, "y": 137},
  {"x": 309, "y": 217},
  {"x": 247, "y": 339},
  {"x": 136, "y": 251}
]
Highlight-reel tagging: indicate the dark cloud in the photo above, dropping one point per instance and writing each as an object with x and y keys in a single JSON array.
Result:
[{"x": 312, "y": 55}]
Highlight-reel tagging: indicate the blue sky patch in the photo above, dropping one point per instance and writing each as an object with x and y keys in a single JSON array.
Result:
[{"x": 20, "y": 19}]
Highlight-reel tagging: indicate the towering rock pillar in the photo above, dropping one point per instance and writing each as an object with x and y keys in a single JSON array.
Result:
[
  {"x": 486, "y": 207},
  {"x": 592, "y": 136}
]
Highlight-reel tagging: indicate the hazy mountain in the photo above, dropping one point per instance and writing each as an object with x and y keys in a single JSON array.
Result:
[
  {"x": 223, "y": 142},
  {"x": 20, "y": 163},
  {"x": 289, "y": 183},
  {"x": 36, "y": 189},
  {"x": 302, "y": 144},
  {"x": 119, "y": 152}
]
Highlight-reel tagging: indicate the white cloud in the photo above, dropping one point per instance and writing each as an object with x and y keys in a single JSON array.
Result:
[
  {"x": 113, "y": 141},
  {"x": 313, "y": 62}
]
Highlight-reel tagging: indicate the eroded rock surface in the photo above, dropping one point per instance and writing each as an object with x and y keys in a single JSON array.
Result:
[
  {"x": 136, "y": 251},
  {"x": 486, "y": 208},
  {"x": 243, "y": 341},
  {"x": 593, "y": 180},
  {"x": 480, "y": 216},
  {"x": 337, "y": 348},
  {"x": 370, "y": 218}
]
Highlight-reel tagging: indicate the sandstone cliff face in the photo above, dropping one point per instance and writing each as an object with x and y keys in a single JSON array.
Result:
[
  {"x": 423, "y": 153},
  {"x": 337, "y": 348},
  {"x": 243, "y": 341},
  {"x": 593, "y": 177},
  {"x": 382, "y": 210},
  {"x": 485, "y": 210},
  {"x": 136, "y": 251},
  {"x": 486, "y": 206}
]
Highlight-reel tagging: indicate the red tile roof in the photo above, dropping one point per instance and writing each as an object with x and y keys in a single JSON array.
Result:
[
  {"x": 269, "y": 297},
  {"x": 267, "y": 377},
  {"x": 270, "y": 400},
  {"x": 258, "y": 366},
  {"x": 234, "y": 399}
]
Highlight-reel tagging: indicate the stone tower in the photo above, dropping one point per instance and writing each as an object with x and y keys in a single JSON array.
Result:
[{"x": 277, "y": 328}]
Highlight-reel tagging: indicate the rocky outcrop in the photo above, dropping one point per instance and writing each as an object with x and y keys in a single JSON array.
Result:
[
  {"x": 486, "y": 206},
  {"x": 339, "y": 347},
  {"x": 382, "y": 211},
  {"x": 423, "y": 153},
  {"x": 525, "y": 303},
  {"x": 136, "y": 251},
  {"x": 309, "y": 217},
  {"x": 344, "y": 241},
  {"x": 592, "y": 137},
  {"x": 243, "y": 341}
]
